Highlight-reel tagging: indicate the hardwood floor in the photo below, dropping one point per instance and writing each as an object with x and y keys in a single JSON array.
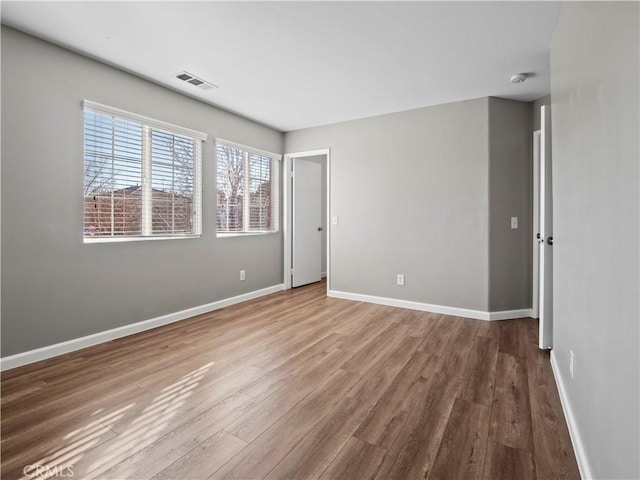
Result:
[{"x": 294, "y": 385}]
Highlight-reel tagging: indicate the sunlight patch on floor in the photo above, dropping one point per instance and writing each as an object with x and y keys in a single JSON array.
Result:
[{"x": 73, "y": 458}]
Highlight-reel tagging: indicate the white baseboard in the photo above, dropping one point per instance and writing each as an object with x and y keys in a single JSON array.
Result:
[
  {"x": 576, "y": 439},
  {"x": 428, "y": 307},
  {"x": 510, "y": 314},
  {"x": 43, "y": 353}
]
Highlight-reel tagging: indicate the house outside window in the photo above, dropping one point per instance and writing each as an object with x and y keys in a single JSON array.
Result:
[
  {"x": 142, "y": 177},
  {"x": 248, "y": 190}
]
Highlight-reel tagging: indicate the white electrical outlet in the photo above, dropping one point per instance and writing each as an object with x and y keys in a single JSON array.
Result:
[
  {"x": 571, "y": 363},
  {"x": 400, "y": 279},
  {"x": 242, "y": 275},
  {"x": 514, "y": 222}
]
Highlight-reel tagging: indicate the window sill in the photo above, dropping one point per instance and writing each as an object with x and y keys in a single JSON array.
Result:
[
  {"x": 134, "y": 239},
  {"x": 244, "y": 234}
]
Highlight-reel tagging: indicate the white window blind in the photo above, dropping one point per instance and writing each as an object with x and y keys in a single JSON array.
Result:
[
  {"x": 142, "y": 176},
  {"x": 248, "y": 182}
]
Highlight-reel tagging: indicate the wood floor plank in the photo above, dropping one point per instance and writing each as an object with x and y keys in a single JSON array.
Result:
[
  {"x": 440, "y": 333},
  {"x": 20, "y": 394},
  {"x": 514, "y": 337},
  {"x": 166, "y": 449},
  {"x": 420, "y": 323},
  {"x": 506, "y": 463},
  {"x": 357, "y": 459},
  {"x": 258, "y": 419},
  {"x": 489, "y": 330},
  {"x": 294, "y": 385},
  {"x": 510, "y": 411},
  {"x": 263, "y": 454},
  {"x": 415, "y": 449},
  {"x": 374, "y": 324},
  {"x": 311, "y": 457},
  {"x": 365, "y": 358},
  {"x": 416, "y": 446},
  {"x": 137, "y": 419},
  {"x": 479, "y": 377},
  {"x": 156, "y": 428},
  {"x": 385, "y": 420},
  {"x": 204, "y": 459},
  {"x": 552, "y": 450},
  {"x": 375, "y": 383},
  {"x": 60, "y": 453},
  {"x": 529, "y": 337},
  {"x": 99, "y": 391},
  {"x": 459, "y": 348},
  {"x": 307, "y": 333},
  {"x": 463, "y": 448},
  {"x": 194, "y": 399},
  {"x": 41, "y": 432},
  {"x": 294, "y": 367}
]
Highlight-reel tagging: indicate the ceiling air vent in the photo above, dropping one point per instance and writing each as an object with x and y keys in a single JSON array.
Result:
[{"x": 195, "y": 81}]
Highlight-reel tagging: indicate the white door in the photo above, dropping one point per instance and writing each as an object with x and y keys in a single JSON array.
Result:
[
  {"x": 535, "y": 306},
  {"x": 545, "y": 242},
  {"x": 307, "y": 222}
]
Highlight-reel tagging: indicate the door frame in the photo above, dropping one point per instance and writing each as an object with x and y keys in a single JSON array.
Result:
[
  {"x": 287, "y": 210},
  {"x": 545, "y": 326},
  {"x": 535, "y": 277}
]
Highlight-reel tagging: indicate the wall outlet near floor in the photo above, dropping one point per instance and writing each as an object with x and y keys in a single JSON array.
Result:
[
  {"x": 242, "y": 275},
  {"x": 514, "y": 222},
  {"x": 400, "y": 279},
  {"x": 571, "y": 363}
]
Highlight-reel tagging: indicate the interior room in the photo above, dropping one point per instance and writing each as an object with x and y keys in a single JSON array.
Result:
[{"x": 337, "y": 240}]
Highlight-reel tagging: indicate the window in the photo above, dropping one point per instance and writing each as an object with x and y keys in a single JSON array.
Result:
[
  {"x": 248, "y": 190},
  {"x": 142, "y": 177}
]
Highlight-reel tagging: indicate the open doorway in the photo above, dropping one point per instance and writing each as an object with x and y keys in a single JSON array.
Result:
[{"x": 306, "y": 227}]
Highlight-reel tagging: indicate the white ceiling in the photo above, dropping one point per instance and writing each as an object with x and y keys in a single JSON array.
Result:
[{"x": 293, "y": 65}]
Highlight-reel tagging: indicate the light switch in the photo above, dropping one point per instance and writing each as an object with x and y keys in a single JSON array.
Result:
[
  {"x": 514, "y": 222},
  {"x": 334, "y": 220}
]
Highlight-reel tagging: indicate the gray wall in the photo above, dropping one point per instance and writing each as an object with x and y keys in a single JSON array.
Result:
[
  {"x": 56, "y": 288},
  {"x": 411, "y": 193},
  {"x": 510, "y": 195},
  {"x": 595, "y": 111}
]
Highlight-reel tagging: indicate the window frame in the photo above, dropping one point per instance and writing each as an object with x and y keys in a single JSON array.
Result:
[
  {"x": 276, "y": 160},
  {"x": 148, "y": 126}
]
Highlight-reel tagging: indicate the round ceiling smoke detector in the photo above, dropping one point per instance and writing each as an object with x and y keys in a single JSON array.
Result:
[{"x": 518, "y": 78}]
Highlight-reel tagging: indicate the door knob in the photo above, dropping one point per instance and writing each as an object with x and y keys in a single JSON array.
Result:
[
  {"x": 320, "y": 229},
  {"x": 550, "y": 241}
]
